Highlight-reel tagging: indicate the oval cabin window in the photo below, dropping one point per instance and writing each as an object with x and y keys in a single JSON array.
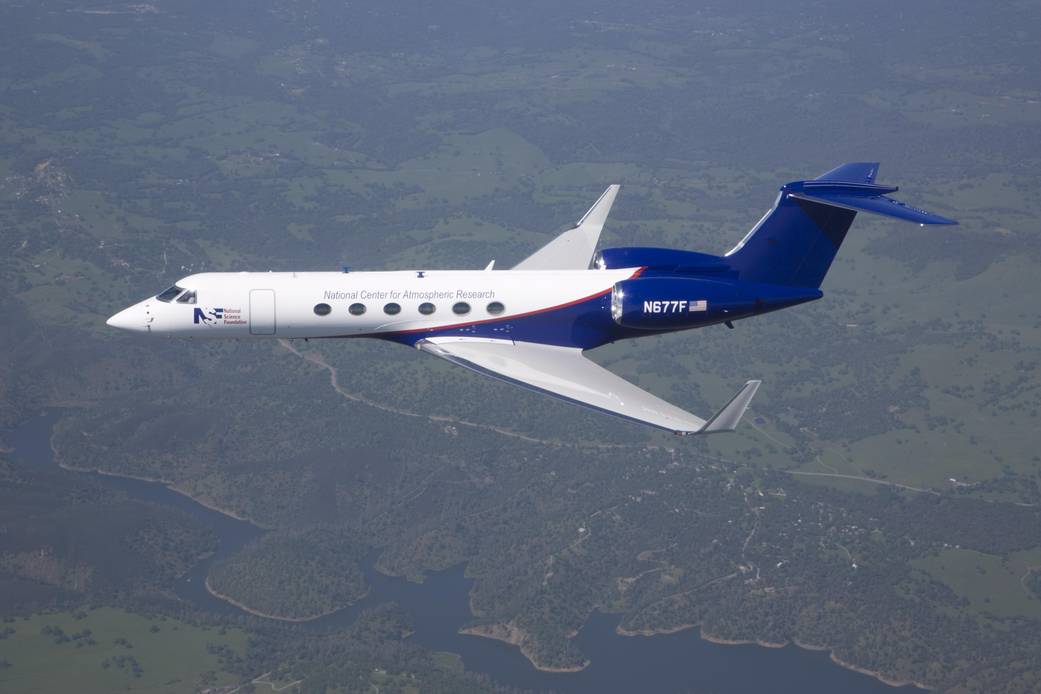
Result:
[
  {"x": 461, "y": 308},
  {"x": 426, "y": 308},
  {"x": 356, "y": 309},
  {"x": 495, "y": 308},
  {"x": 322, "y": 309},
  {"x": 392, "y": 309}
]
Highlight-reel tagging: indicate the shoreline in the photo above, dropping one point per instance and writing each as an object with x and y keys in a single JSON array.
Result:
[
  {"x": 172, "y": 486},
  {"x": 213, "y": 507},
  {"x": 878, "y": 676},
  {"x": 621, "y": 631},
  {"x": 742, "y": 642},
  {"x": 510, "y": 634},
  {"x": 499, "y": 632},
  {"x": 230, "y": 514},
  {"x": 258, "y": 613},
  {"x": 664, "y": 631},
  {"x": 169, "y": 485},
  {"x": 890, "y": 681}
]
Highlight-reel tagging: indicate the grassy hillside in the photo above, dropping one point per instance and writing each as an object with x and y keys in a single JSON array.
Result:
[
  {"x": 109, "y": 649},
  {"x": 896, "y": 428}
]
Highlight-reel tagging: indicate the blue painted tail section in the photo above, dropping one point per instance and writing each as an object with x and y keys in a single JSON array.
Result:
[
  {"x": 855, "y": 172},
  {"x": 796, "y": 242},
  {"x": 793, "y": 245}
]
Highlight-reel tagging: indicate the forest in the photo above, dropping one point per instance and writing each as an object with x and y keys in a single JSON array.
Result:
[{"x": 881, "y": 500}]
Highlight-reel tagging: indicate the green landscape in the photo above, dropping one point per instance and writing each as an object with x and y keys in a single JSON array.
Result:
[
  {"x": 109, "y": 649},
  {"x": 293, "y": 576},
  {"x": 882, "y": 499}
]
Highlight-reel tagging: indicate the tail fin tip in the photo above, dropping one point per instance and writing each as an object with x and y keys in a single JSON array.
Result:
[
  {"x": 795, "y": 243},
  {"x": 852, "y": 172}
]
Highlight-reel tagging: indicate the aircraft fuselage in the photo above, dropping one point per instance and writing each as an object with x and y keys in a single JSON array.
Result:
[{"x": 571, "y": 308}]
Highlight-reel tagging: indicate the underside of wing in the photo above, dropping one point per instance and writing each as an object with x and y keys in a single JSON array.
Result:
[
  {"x": 573, "y": 249},
  {"x": 565, "y": 373}
]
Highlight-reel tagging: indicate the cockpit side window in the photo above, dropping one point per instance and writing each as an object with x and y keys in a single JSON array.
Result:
[
  {"x": 170, "y": 293},
  {"x": 187, "y": 298}
]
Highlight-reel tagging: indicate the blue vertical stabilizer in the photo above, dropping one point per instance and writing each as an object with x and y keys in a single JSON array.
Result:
[{"x": 795, "y": 243}]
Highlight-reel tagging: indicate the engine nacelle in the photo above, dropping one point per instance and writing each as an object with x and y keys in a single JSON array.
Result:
[
  {"x": 659, "y": 259},
  {"x": 671, "y": 303}
]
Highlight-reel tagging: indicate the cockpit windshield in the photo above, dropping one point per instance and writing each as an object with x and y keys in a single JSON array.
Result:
[
  {"x": 169, "y": 294},
  {"x": 187, "y": 298}
]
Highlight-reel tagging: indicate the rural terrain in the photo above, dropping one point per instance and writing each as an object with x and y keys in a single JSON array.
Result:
[{"x": 882, "y": 500}]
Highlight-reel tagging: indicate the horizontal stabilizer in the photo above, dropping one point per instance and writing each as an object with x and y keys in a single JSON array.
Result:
[
  {"x": 865, "y": 198},
  {"x": 852, "y": 186},
  {"x": 854, "y": 172},
  {"x": 565, "y": 373}
]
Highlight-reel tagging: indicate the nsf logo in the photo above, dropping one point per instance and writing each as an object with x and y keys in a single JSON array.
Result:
[{"x": 208, "y": 316}]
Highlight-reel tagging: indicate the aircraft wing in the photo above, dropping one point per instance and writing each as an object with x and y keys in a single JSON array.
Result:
[
  {"x": 565, "y": 373},
  {"x": 573, "y": 249}
]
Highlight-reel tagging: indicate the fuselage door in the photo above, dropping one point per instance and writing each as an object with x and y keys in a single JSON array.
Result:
[{"x": 262, "y": 312}]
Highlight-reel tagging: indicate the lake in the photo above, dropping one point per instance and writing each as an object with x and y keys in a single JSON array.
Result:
[{"x": 681, "y": 662}]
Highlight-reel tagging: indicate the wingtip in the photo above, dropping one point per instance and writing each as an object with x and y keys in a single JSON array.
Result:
[
  {"x": 937, "y": 220},
  {"x": 597, "y": 214},
  {"x": 730, "y": 416},
  {"x": 573, "y": 249}
]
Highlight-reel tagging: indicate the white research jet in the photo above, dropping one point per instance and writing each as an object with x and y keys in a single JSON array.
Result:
[{"x": 530, "y": 325}]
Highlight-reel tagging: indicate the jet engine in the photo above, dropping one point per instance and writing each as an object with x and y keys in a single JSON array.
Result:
[{"x": 670, "y": 303}]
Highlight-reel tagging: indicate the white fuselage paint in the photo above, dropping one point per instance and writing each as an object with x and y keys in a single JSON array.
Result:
[{"x": 282, "y": 304}]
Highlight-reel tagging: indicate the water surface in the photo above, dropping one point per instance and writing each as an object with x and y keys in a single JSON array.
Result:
[{"x": 681, "y": 662}]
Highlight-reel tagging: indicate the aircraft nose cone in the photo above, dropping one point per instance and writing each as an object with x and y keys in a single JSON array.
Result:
[{"x": 128, "y": 319}]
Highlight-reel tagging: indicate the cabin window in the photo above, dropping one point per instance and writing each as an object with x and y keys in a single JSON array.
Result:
[
  {"x": 392, "y": 309},
  {"x": 461, "y": 308},
  {"x": 356, "y": 309},
  {"x": 322, "y": 309},
  {"x": 169, "y": 294},
  {"x": 187, "y": 298},
  {"x": 426, "y": 308},
  {"x": 495, "y": 308}
]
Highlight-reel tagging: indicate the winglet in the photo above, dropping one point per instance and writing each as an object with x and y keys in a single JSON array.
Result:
[
  {"x": 728, "y": 418},
  {"x": 597, "y": 214},
  {"x": 573, "y": 249}
]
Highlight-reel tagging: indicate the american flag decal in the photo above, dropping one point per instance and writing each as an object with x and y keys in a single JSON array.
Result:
[{"x": 699, "y": 305}]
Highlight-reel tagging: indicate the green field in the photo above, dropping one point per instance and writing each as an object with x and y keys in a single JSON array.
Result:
[
  {"x": 137, "y": 147},
  {"x": 992, "y": 585},
  {"x": 103, "y": 646}
]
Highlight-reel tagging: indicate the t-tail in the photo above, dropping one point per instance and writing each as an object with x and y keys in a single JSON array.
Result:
[{"x": 795, "y": 243}]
